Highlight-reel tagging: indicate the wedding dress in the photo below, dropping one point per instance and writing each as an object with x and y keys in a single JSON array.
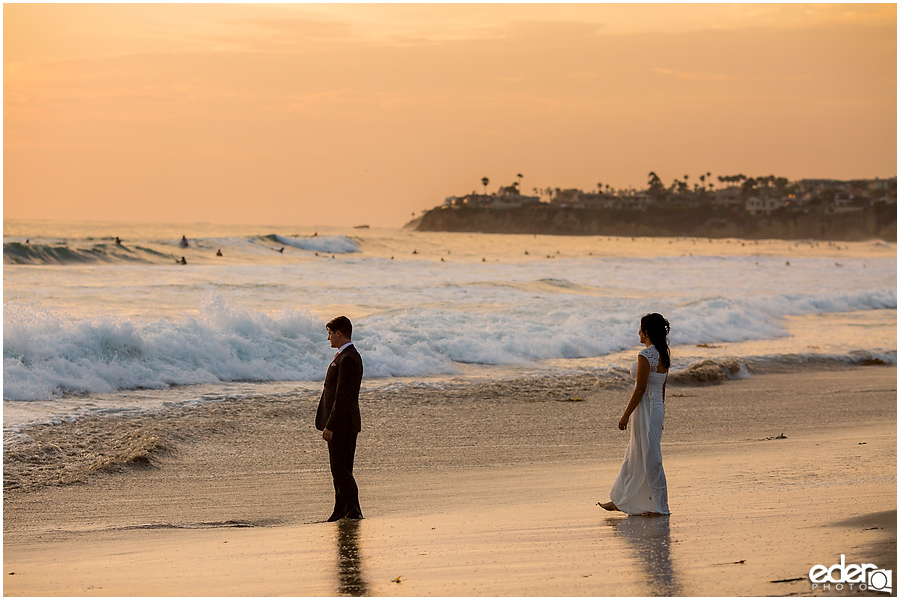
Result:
[{"x": 641, "y": 484}]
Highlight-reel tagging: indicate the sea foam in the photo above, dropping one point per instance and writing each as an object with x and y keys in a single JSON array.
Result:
[{"x": 47, "y": 354}]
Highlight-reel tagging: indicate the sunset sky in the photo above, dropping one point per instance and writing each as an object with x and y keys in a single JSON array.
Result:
[{"x": 343, "y": 114}]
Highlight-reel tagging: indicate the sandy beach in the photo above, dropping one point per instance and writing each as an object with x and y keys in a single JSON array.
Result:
[
  {"x": 479, "y": 489},
  {"x": 500, "y": 206}
]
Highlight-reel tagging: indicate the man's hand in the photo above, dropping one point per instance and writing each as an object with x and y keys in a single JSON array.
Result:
[{"x": 326, "y": 434}]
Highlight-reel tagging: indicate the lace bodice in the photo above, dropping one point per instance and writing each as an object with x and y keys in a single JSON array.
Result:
[
  {"x": 655, "y": 379},
  {"x": 652, "y": 356}
]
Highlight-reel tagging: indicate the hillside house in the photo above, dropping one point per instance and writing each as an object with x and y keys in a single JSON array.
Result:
[
  {"x": 756, "y": 205},
  {"x": 728, "y": 197}
]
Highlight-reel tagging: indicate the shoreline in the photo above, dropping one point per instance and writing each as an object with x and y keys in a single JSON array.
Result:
[
  {"x": 233, "y": 506},
  {"x": 76, "y": 448}
]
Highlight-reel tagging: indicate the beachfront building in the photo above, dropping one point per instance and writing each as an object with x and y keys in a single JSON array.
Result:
[
  {"x": 472, "y": 199},
  {"x": 756, "y": 205},
  {"x": 598, "y": 200},
  {"x": 728, "y": 197},
  {"x": 565, "y": 198},
  {"x": 762, "y": 195},
  {"x": 843, "y": 202},
  {"x": 638, "y": 201},
  {"x": 883, "y": 185},
  {"x": 509, "y": 197}
]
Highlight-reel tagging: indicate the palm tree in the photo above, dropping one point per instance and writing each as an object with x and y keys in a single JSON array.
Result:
[
  {"x": 485, "y": 181},
  {"x": 781, "y": 184},
  {"x": 748, "y": 187},
  {"x": 655, "y": 185}
]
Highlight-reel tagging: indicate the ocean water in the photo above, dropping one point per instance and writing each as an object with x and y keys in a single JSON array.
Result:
[{"x": 91, "y": 326}]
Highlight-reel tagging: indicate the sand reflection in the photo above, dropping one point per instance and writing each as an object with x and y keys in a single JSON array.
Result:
[
  {"x": 649, "y": 537},
  {"x": 350, "y": 578}
]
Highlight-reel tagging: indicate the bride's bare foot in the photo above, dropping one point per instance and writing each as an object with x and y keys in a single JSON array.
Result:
[
  {"x": 607, "y": 505},
  {"x": 651, "y": 514}
]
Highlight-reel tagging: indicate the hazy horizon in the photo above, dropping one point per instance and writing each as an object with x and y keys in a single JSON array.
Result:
[{"x": 342, "y": 114}]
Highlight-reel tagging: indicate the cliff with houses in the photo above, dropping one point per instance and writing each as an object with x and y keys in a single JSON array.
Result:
[{"x": 750, "y": 208}]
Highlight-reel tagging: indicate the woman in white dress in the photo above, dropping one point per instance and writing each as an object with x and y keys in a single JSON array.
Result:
[{"x": 640, "y": 488}]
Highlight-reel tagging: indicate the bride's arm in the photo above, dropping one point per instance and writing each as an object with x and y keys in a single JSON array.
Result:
[{"x": 640, "y": 385}]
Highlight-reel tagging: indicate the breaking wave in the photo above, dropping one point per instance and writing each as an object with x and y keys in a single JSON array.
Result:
[
  {"x": 46, "y": 354},
  {"x": 328, "y": 244}
]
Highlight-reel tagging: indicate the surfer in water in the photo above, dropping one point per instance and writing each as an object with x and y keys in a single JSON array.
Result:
[
  {"x": 182, "y": 261},
  {"x": 184, "y": 242}
]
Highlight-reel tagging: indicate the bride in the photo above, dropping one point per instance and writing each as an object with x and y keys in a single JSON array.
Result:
[{"x": 640, "y": 488}]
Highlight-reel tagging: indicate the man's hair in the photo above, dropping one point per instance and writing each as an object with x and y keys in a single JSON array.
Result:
[{"x": 341, "y": 324}]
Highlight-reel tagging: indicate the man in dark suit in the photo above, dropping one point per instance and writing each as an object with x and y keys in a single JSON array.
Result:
[{"x": 338, "y": 417}]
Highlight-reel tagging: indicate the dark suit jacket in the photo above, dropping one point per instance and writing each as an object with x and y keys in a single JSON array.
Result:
[{"x": 339, "y": 405}]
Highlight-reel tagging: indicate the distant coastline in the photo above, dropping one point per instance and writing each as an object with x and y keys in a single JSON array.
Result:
[
  {"x": 865, "y": 224},
  {"x": 760, "y": 208}
]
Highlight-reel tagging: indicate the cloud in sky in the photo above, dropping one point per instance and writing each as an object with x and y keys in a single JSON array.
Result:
[{"x": 316, "y": 114}]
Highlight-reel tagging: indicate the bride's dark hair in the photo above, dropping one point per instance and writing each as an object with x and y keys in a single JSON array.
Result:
[{"x": 655, "y": 326}]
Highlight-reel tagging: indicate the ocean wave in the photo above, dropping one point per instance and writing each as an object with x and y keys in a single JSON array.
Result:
[
  {"x": 105, "y": 251},
  {"x": 720, "y": 319},
  {"x": 46, "y": 355},
  {"x": 18, "y": 253},
  {"x": 327, "y": 244}
]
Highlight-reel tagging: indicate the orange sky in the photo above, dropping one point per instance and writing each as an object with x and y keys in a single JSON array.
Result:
[{"x": 341, "y": 114}]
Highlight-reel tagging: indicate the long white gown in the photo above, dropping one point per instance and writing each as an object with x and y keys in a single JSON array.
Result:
[{"x": 641, "y": 484}]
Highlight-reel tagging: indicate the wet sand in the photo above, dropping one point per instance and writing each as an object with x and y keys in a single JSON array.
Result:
[{"x": 486, "y": 489}]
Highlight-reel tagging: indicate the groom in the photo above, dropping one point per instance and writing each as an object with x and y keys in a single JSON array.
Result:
[{"x": 338, "y": 417}]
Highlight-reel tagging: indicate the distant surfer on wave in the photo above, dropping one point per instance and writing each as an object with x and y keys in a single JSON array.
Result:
[{"x": 184, "y": 242}]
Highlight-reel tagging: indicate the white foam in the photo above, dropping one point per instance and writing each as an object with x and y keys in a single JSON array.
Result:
[
  {"x": 46, "y": 354},
  {"x": 101, "y": 328}
]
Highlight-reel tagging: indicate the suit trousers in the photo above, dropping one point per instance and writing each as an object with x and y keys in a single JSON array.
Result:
[{"x": 341, "y": 450}]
